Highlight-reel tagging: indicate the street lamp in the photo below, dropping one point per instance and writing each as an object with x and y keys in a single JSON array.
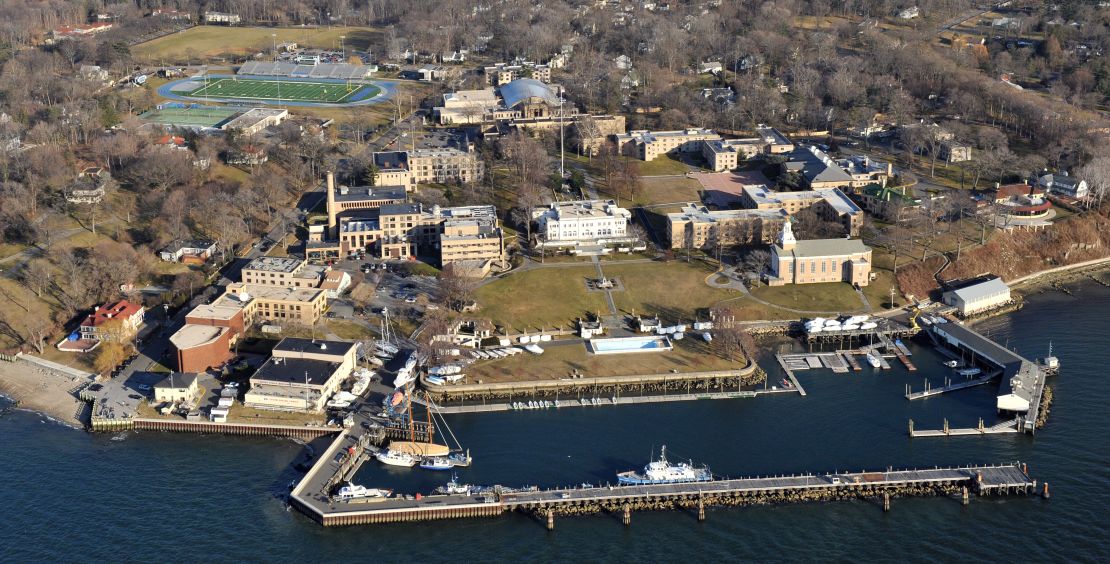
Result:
[{"x": 343, "y": 46}]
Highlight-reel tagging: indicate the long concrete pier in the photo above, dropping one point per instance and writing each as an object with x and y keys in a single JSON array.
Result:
[{"x": 315, "y": 502}]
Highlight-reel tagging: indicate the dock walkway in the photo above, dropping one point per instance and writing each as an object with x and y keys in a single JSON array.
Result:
[
  {"x": 1003, "y": 428},
  {"x": 608, "y": 401},
  {"x": 981, "y": 480},
  {"x": 951, "y": 387}
]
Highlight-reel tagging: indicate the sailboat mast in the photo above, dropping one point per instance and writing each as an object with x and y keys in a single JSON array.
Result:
[{"x": 412, "y": 431}]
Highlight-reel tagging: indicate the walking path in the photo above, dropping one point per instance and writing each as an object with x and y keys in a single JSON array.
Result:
[{"x": 608, "y": 291}]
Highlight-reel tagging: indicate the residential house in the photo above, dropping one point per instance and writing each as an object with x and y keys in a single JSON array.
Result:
[
  {"x": 1063, "y": 185},
  {"x": 89, "y": 187},
  {"x": 712, "y": 67},
  {"x": 177, "y": 144},
  {"x": 191, "y": 251},
  {"x": 724, "y": 95},
  {"x": 431, "y": 73},
  {"x": 120, "y": 320},
  {"x": 953, "y": 151},
  {"x": 249, "y": 155},
  {"x": 909, "y": 13},
  {"x": 177, "y": 387}
]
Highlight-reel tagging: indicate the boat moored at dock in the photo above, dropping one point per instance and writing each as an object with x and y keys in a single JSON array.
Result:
[
  {"x": 352, "y": 491},
  {"x": 663, "y": 472}
]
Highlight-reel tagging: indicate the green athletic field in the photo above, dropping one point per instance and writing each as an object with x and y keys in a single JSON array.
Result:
[{"x": 278, "y": 90}]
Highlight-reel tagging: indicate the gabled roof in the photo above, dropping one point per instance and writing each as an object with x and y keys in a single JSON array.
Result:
[{"x": 981, "y": 290}]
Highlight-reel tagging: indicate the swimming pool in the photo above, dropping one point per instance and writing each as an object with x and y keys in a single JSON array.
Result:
[{"x": 652, "y": 343}]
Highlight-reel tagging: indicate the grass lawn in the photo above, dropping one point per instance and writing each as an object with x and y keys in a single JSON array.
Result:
[
  {"x": 675, "y": 290},
  {"x": 662, "y": 165},
  {"x": 289, "y": 90},
  {"x": 655, "y": 191},
  {"x": 350, "y": 331},
  {"x": 878, "y": 291},
  {"x": 9, "y": 249},
  {"x": 544, "y": 297},
  {"x": 210, "y": 41},
  {"x": 829, "y": 297},
  {"x": 689, "y": 355},
  {"x": 240, "y": 413}
]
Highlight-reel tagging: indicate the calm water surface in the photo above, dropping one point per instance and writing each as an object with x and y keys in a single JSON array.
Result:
[{"x": 149, "y": 496}]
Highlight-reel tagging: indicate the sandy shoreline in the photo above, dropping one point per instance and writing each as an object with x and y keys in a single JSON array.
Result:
[{"x": 42, "y": 390}]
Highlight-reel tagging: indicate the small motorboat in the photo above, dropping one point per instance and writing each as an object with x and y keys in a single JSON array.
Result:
[
  {"x": 437, "y": 463},
  {"x": 873, "y": 360}
]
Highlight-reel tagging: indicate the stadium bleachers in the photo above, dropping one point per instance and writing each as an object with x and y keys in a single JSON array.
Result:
[{"x": 337, "y": 71}]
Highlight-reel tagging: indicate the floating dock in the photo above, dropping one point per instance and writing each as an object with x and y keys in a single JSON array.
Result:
[
  {"x": 311, "y": 495},
  {"x": 950, "y": 387},
  {"x": 1012, "y": 426}
]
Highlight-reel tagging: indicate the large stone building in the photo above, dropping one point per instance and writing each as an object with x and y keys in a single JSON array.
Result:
[
  {"x": 445, "y": 165},
  {"x": 409, "y": 168},
  {"x": 818, "y": 260},
  {"x": 582, "y": 222},
  {"x": 521, "y": 98},
  {"x": 393, "y": 169},
  {"x": 301, "y": 375},
  {"x": 830, "y": 204},
  {"x": 469, "y": 236},
  {"x": 726, "y": 154},
  {"x": 647, "y": 145},
  {"x": 275, "y": 290},
  {"x": 698, "y": 227}
]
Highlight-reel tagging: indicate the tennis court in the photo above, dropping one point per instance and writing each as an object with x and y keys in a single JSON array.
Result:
[
  {"x": 281, "y": 90},
  {"x": 189, "y": 116}
]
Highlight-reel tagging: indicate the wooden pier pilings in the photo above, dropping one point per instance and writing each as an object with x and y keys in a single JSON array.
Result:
[
  {"x": 694, "y": 497},
  {"x": 143, "y": 424}
]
